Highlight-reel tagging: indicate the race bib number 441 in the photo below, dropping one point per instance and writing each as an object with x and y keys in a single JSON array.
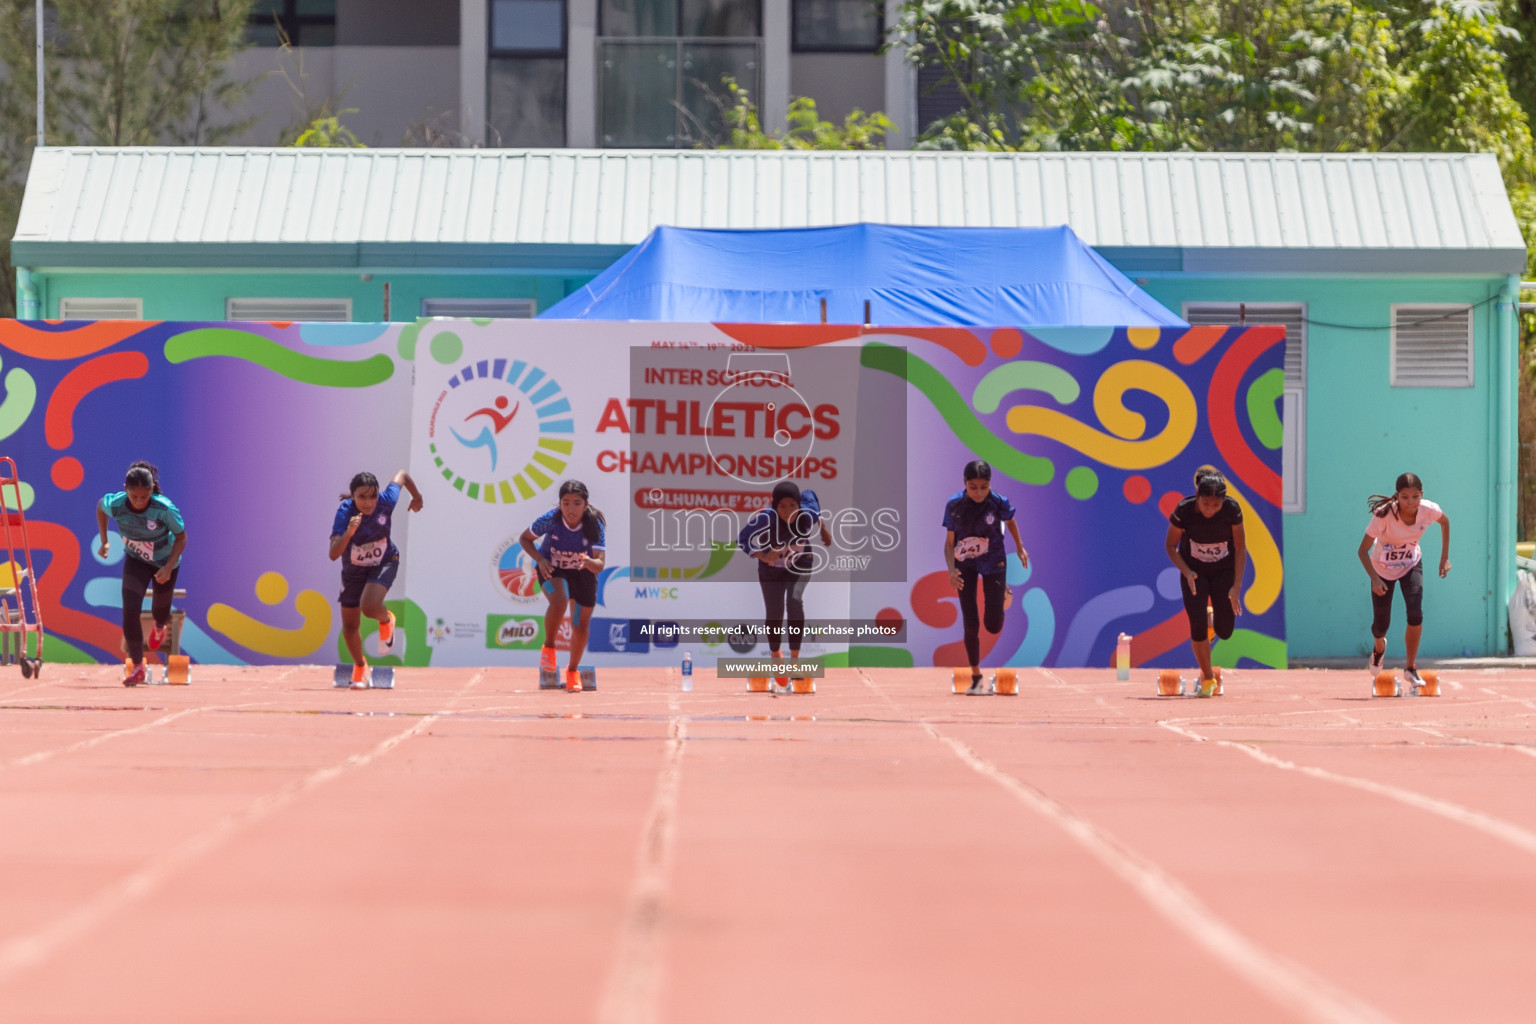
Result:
[{"x": 971, "y": 547}]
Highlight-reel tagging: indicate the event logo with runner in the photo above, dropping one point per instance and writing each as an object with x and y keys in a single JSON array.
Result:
[
  {"x": 501, "y": 431},
  {"x": 515, "y": 574}
]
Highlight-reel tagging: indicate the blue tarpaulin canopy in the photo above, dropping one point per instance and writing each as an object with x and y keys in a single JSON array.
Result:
[{"x": 910, "y": 276}]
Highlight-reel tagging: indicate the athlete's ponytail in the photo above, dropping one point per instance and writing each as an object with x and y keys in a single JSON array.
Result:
[
  {"x": 592, "y": 519},
  {"x": 1209, "y": 483},
  {"x": 1384, "y": 504},
  {"x": 142, "y": 474}
]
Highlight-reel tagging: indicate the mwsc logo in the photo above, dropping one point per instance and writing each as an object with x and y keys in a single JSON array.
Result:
[{"x": 501, "y": 431}]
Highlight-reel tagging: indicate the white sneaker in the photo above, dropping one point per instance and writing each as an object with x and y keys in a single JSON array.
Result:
[
  {"x": 1376, "y": 661},
  {"x": 979, "y": 688},
  {"x": 1411, "y": 681}
]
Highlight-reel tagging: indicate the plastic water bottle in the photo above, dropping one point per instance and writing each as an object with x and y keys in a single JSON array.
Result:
[
  {"x": 1123, "y": 657},
  {"x": 687, "y": 671}
]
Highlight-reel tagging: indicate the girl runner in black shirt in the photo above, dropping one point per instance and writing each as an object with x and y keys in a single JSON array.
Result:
[{"x": 1205, "y": 543}]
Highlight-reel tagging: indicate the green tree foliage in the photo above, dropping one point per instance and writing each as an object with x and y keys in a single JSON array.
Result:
[
  {"x": 804, "y": 128},
  {"x": 119, "y": 73}
]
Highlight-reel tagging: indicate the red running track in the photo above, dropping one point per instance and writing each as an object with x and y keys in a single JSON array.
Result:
[{"x": 465, "y": 848}]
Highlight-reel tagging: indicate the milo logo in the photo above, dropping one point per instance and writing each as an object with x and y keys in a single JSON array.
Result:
[{"x": 514, "y": 632}]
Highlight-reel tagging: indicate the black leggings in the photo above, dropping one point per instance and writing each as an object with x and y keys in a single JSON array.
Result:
[
  {"x": 1210, "y": 588},
  {"x": 996, "y": 585},
  {"x": 1413, "y": 600},
  {"x": 137, "y": 576},
  {"x": 779, "y": 596}
]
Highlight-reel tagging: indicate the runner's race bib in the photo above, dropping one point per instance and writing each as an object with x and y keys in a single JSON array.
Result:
[
  {"x": 1397, "y": 554},
  {"x": 565, "y": 559},
  {"x": 1208, "y": 552},
  {"x": 971, "y": 547},
  {"x": 370, "y": 554},
  {"x": 143, "y": 550}
]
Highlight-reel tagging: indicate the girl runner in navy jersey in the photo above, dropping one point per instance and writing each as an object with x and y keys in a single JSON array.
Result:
[
  {"x": 974, "y": 551},
  {"x": 779, "y": 538},
  {"x": 154, "y": 537},
  {"x": 360, "y": 531},
  {"x": 569, "y": 560},
  {"x": 1205, "y": 543},
  {"x": 1391, "y": 555}
]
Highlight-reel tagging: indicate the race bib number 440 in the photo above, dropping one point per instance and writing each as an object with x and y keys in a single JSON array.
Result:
[{"x": 370, "y": 554}]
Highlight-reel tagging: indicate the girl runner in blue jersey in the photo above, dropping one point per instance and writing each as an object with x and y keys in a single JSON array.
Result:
[
  {"x": 569, "y": 560},
  {"x": 360, "y": 531},
  {"x": 975, "y": 553},
  {"x": 154, "y": 537},
  {"x": 779, "y": 538}
]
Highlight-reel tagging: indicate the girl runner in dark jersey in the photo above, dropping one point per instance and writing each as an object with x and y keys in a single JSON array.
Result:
[
  {"x": 779, "y": 538},
  {"x": 573, "y": 553},
  {"x": 1205, "y": 543},
  {"x": 154, "y": 537},
  {"x": 361, "y": 531},
  {"x": 974, "y": 552}
]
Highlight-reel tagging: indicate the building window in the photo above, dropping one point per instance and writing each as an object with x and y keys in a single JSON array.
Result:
[
  {"x": 1293, "y": 317},
  {"x": 301, "y": 22},
  {"x": 465, "y": 309},
  {"x": 662, "y": 65},
  {"x": 837, "y": 26},
  {"x": 1432, "y": 346},
  {"x": 525, "y": 73},
  {"x": 101, "y": 309},
  {"x": 289, "y": 310}
]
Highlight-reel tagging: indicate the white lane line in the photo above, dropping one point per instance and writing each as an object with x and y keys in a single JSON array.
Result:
[
  {"x": 1291, "y": 985},
  {"x": 1520, "y": 748},
  {"x": 1507, "y": 697},
  {"x": 30, "y": 950},
  {"x": 1514, "y": 835},
  {"x": 632, "y": 990},
  {"x": 1287, "y": 983},
  {"x": 45, "y": 755}
]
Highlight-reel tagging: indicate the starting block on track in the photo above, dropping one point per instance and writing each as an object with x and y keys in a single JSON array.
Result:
[
  {"x": 174, "y": 668},
  {"x": 1171, "y": 684},
  {"x": 1387, "y": 684},
  {"x": 1004, "y": 682},
  {"x": 379, "y": 677},
  {"x": 553, "y": 679}
]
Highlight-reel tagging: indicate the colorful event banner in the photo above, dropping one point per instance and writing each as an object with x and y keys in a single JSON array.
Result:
[{"x": 679, "y": 432}]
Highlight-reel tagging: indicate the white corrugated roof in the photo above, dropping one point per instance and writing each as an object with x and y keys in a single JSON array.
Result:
[{"x": 615, "y": 197}]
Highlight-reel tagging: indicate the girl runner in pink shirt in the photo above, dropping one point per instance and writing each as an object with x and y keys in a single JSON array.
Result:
[{"x": 1391, "y": 555}]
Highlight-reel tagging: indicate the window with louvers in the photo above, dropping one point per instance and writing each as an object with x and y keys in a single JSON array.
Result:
[
  {"x": 101, "y": 309},
  {"x": 1293, "y": 317},
  {"x": 503, "y": 309},
  {"x": 289, "y": 310},
  {"x": 1432, "y": 346}
]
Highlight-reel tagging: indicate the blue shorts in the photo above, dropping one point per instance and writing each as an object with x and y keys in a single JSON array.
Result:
[{"x": 354, "y": 580}]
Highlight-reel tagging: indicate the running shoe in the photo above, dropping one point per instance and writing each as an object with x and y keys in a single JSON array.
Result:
[
  {"x": 573, "y": 680},
  {"x": 136, "y": 677},
  {"x": 546, "y": 659},
  {"x": 157, "y": 635},
  {"x": 1411, "y": 679},
  {"x": 386, "y": 635},
  {"x": 1377, "y": 657},
  {"x": 1208, "y": 688},
  {"x": 780, "y": 684},
  {"x": 979, "y": 688},
  {"x": 362, "y": 677}
]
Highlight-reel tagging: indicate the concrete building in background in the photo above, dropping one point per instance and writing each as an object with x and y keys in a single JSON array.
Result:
[
  {"x": 1396, "y": 276},
  {"x": 568, "y": 73}
]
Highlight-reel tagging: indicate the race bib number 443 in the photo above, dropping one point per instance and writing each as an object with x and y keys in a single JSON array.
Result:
[{"x": 1208, "y": 552}]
